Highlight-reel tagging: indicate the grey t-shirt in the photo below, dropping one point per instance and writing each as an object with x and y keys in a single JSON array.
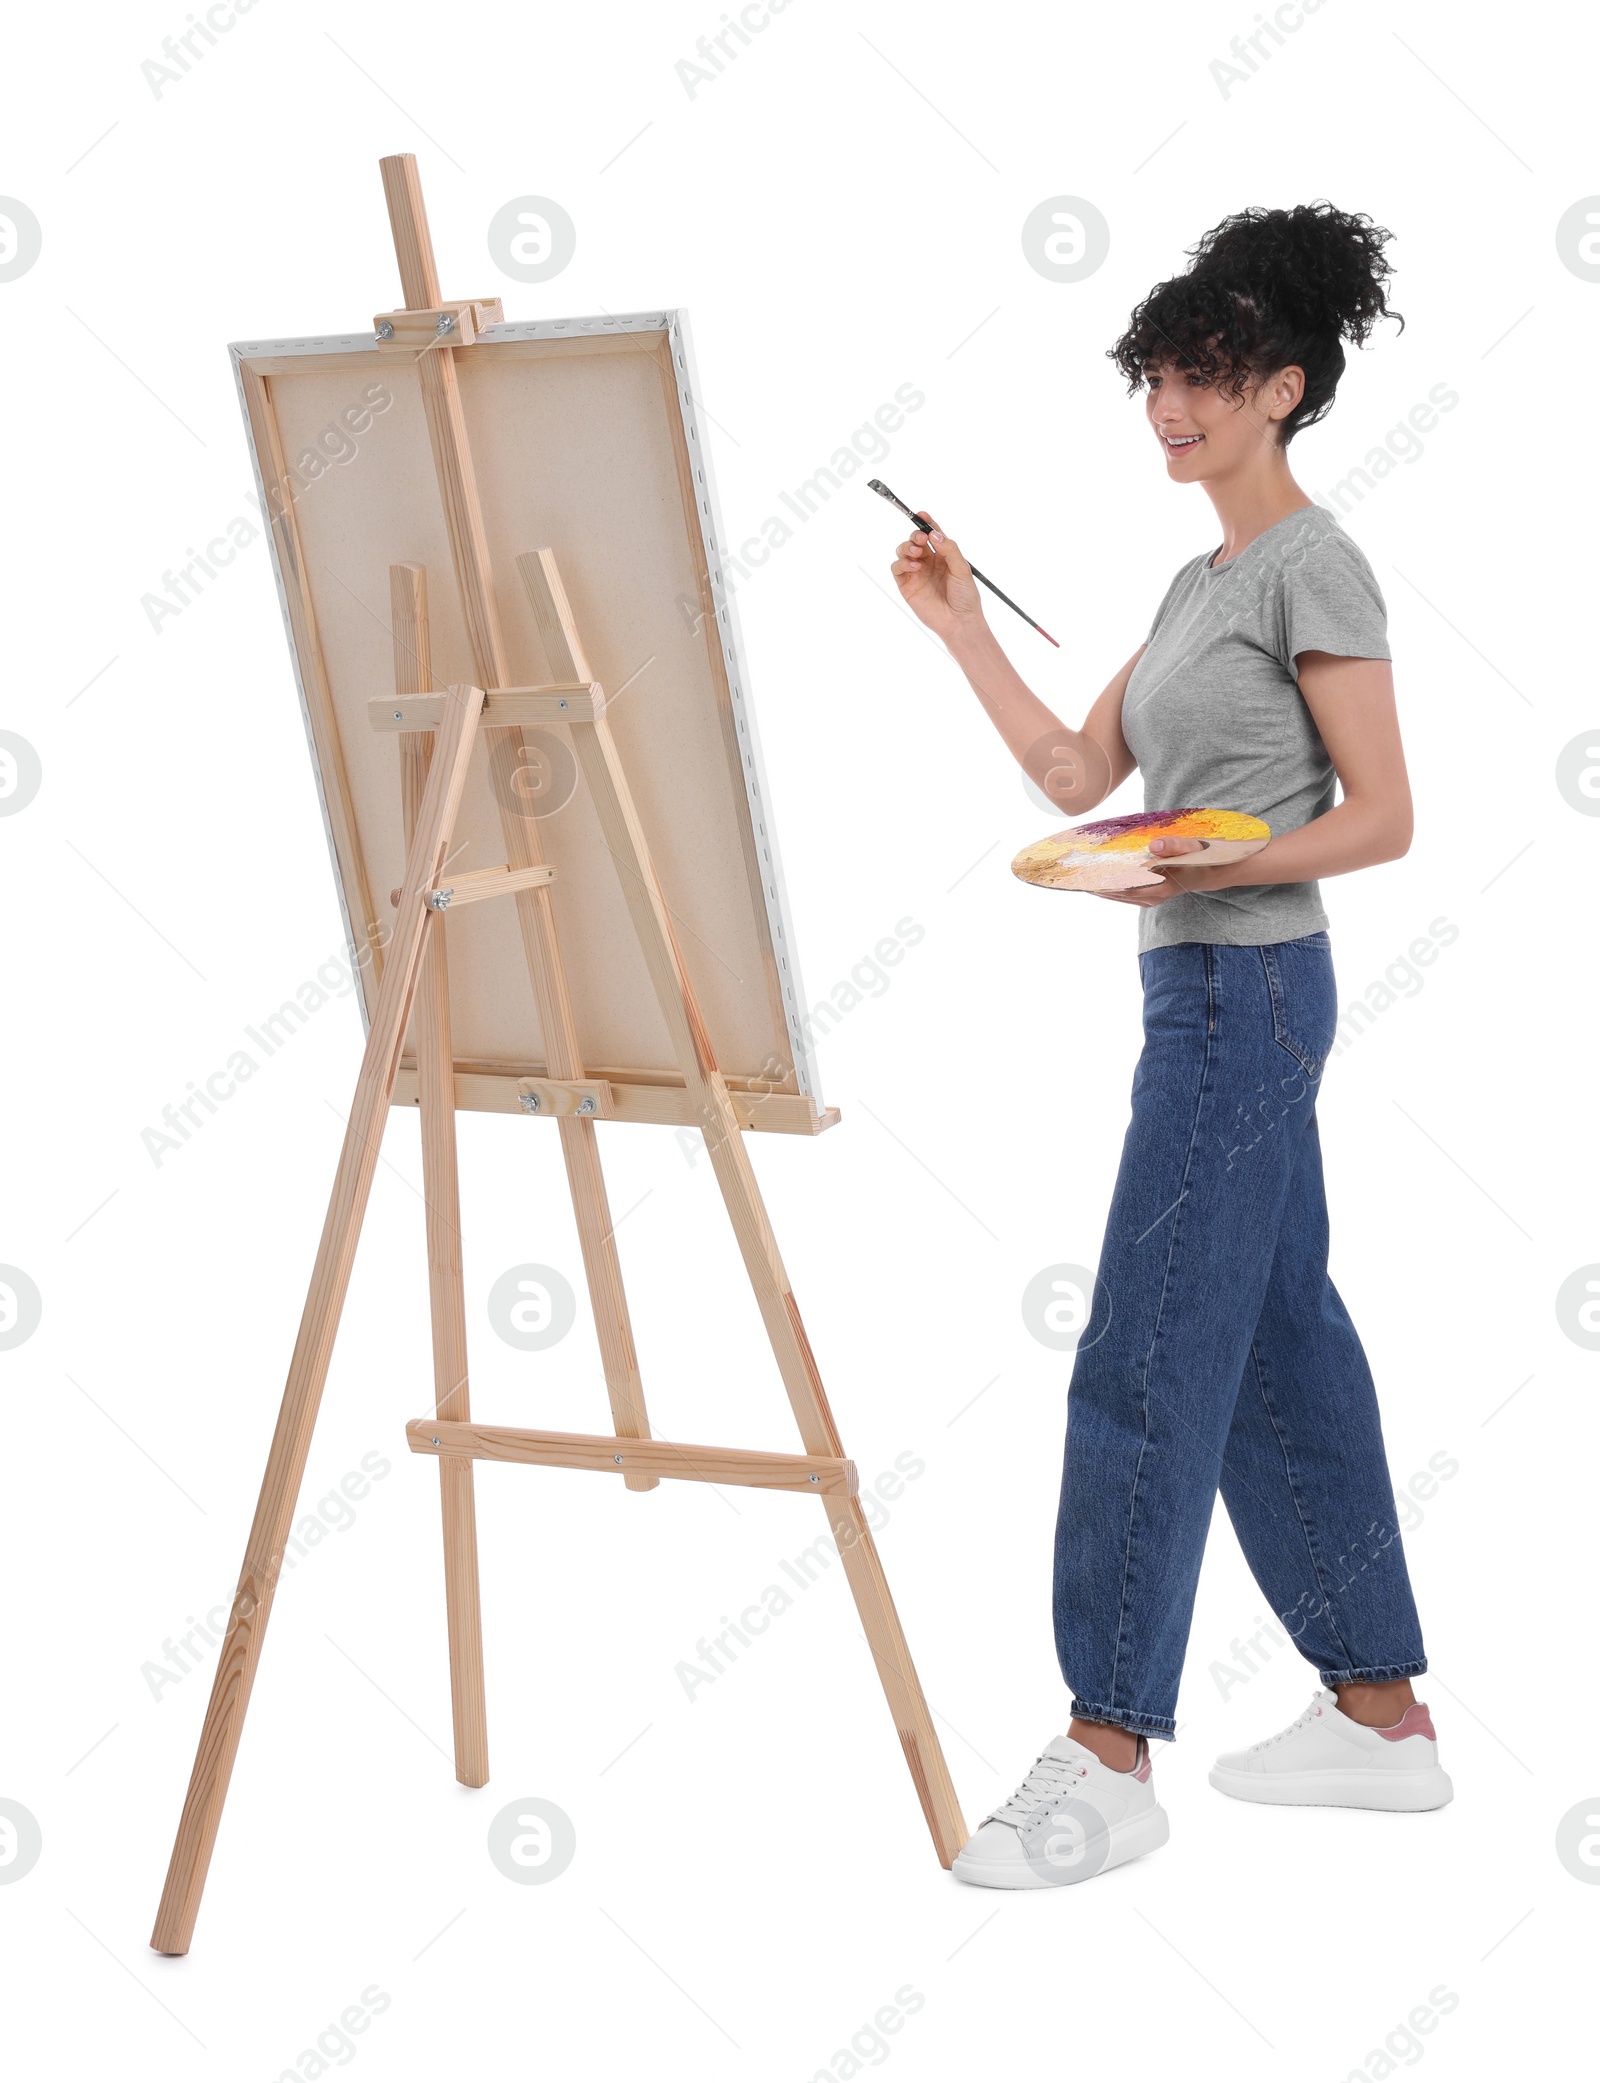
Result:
[{"x": 1214, "y": 715}]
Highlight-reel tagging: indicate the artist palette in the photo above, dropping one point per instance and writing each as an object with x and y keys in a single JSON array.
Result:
[{"x": 1113, "y": 853}]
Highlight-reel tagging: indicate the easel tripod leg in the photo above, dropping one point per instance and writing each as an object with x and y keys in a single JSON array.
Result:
[
  {"x": 308, "y": 1369},
  {"x": 880, "y": 1623},
  {"x": 602, "y": 1268},
  {"x": 436, "y": 1101},
  {"x": 730, "y": 1161},
  {"x": 808, "y": 1398},
  {"x": 869, "y": 1586}
]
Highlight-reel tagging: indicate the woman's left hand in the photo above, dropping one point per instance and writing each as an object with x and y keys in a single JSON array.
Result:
[{"x": 1181, "y": 879}]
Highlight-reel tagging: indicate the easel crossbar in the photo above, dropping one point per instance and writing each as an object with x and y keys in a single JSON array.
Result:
[
  {"x": 814, "y": 1475},
  {"x": 504, "y": 708},
  {"x": 478, "y": 883}
]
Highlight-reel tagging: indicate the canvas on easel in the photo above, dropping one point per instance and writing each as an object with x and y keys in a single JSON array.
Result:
[{"x": 498, "y": 554}]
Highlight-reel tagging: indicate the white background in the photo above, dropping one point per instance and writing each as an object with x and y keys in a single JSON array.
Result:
[{"x": 840, "y": 213}]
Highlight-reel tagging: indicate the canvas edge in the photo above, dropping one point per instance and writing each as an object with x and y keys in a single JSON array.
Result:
[
  {"x": 239, "y": 352},
  {"x": 753, "y": 774}
]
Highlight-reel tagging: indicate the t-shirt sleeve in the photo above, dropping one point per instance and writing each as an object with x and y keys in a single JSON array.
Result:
[{"x": 1331, "y": 601}]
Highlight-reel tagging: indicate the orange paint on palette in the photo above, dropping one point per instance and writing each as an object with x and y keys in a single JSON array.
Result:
[{"x": 1113, "y": 853}]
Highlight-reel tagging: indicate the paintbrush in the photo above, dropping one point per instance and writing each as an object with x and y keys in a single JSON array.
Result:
[{"x": 876, "y": 484}]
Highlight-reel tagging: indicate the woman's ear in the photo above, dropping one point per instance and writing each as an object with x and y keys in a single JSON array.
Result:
[{"x": 1289, "y": 387}]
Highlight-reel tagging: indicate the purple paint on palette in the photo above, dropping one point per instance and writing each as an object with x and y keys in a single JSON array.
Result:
[{"x": 1113, "y": 827}]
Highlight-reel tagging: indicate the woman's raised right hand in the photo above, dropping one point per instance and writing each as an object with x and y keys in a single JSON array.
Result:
[{"x": 936, "y": 583}]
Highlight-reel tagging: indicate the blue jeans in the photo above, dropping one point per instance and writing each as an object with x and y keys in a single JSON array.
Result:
[{"x": 1218, "y": 1354}]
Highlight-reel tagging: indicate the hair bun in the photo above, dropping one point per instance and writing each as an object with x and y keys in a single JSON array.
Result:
[
  {"x": 1319, "y": 266},
  {"x": 1265, "y": 290}
]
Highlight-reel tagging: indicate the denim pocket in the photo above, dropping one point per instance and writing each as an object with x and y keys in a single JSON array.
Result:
[{"x": 1304, "y": 998}]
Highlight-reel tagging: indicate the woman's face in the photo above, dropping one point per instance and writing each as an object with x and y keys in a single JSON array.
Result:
[{"x": 1204, "y": 433}]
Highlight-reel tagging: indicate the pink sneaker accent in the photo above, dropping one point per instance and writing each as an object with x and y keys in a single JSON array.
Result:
[
  {"x": 1416, "y": 1721},
  {"x": 1141, "y": 1771}
]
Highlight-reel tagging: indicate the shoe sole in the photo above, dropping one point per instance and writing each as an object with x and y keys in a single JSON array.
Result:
[
  {"x": 1145, "y": 1833},
  {"x": 1392, "y": 1791}
]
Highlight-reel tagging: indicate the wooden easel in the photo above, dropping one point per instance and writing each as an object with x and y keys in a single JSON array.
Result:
[{"x": 437, "y": 735}]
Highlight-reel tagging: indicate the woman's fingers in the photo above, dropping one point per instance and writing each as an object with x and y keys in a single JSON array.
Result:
[
  {"x": 923, "y": 568},
  {"x": 1144, "y": 895},
  {"x": 914, "y": 563},
  {"x": 949, "y": 552},
  {"x": 931, "y": 544}
]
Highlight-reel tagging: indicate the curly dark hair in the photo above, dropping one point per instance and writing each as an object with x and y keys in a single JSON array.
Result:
[{"x": 1266, "y": 289}]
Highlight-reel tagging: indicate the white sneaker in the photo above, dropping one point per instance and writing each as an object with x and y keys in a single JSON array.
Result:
[
  {"x": 1071, "y": 1818},
  {"x": 1326, "y": 1760}
]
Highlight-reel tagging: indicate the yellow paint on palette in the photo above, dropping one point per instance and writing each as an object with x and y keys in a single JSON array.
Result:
[{"x": 1113, "y": 853}]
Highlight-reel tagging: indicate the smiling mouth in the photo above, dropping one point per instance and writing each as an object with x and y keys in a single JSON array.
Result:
[{"x": 1177, "y": 444}]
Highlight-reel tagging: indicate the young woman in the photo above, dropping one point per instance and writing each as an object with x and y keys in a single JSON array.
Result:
[{"x": 1217, "y": 1350}]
